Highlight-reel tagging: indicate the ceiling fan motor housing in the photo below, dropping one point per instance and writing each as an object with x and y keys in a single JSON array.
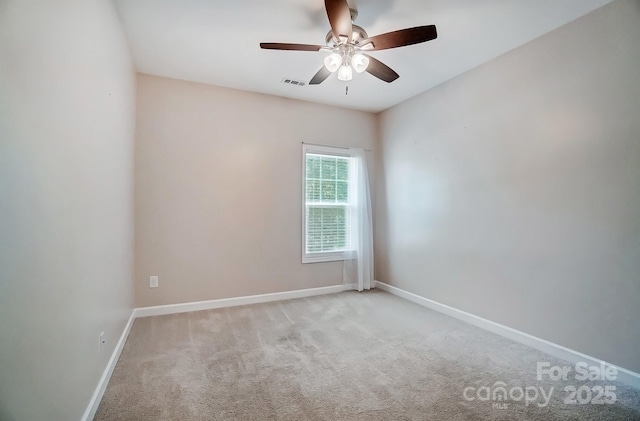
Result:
[{"x": 358, "y": 35}]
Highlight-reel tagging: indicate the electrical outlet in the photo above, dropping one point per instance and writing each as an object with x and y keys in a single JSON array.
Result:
[
  {"x": 102, "y": 341},
  {"x": 153, "y": 282}
]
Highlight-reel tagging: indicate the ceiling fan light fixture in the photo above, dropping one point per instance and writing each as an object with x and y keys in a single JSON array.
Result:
[
  {"x": 345, "y": 73},
  {"x": 360, "y": 62},
  {"x": 332, "y": 62}
]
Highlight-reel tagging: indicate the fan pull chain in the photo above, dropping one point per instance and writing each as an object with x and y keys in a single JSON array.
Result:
[{"x": 346, "y": 90}]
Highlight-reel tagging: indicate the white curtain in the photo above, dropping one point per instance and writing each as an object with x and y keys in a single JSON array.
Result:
[{"x": 358, "y": 268}]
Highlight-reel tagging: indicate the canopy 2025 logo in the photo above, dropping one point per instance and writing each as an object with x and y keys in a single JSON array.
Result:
[{"x": 541, "y": 396}]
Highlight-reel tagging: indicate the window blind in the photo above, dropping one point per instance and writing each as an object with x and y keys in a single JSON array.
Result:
[{"x": 326, "y": 203}]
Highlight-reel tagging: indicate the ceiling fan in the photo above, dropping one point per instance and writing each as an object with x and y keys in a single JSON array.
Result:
[{"x": 348, "y": 43}]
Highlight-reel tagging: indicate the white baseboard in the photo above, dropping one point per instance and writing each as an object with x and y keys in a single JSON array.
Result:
[
  {"x": 625, "y": 376},
  {"x": 236, "y": 301},
  {"x": 90, "y": 412}
]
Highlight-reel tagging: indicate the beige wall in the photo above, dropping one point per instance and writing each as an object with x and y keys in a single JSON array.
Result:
[
  {"x": 511, "y": 192},
  {"x": 67, "y": 91},
  {"x": 218, "y": 190}
]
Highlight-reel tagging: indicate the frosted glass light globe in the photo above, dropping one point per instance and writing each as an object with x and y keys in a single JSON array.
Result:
[
  {"x": 345, "y": 73},
  {"x": 332, "y": 62},
  {"x": 360, "y": 62}
]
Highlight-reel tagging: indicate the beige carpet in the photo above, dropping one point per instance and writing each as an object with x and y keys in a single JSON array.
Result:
[{"x": 350, "y": 356}]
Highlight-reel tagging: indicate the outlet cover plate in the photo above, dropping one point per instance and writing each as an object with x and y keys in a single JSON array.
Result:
[{"x": 153, "y": 282}]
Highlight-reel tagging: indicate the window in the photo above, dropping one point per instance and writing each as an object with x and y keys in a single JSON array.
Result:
[{"x": 327, "y": 215}]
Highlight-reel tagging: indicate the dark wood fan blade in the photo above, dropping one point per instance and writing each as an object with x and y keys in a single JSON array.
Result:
[
  {"x": 320, "y": 77},
  {"x": 381, "y": 70},
  {"x": 291, "y": 47},
  {"x": 402, "y": 37},
  {"x": 339, "y": 18}
]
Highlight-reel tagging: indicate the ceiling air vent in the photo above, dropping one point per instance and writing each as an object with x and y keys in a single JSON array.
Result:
[{"x": 293, "y": 82}]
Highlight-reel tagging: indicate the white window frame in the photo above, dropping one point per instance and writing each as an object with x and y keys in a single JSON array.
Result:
[{"x": 318, "y": 257}]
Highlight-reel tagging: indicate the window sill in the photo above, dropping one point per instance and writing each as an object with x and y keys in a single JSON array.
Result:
[{"x": 327, "y": 257}]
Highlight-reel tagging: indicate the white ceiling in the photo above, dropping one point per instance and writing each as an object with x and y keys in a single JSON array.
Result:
[{"x": 216, "y": 42}]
